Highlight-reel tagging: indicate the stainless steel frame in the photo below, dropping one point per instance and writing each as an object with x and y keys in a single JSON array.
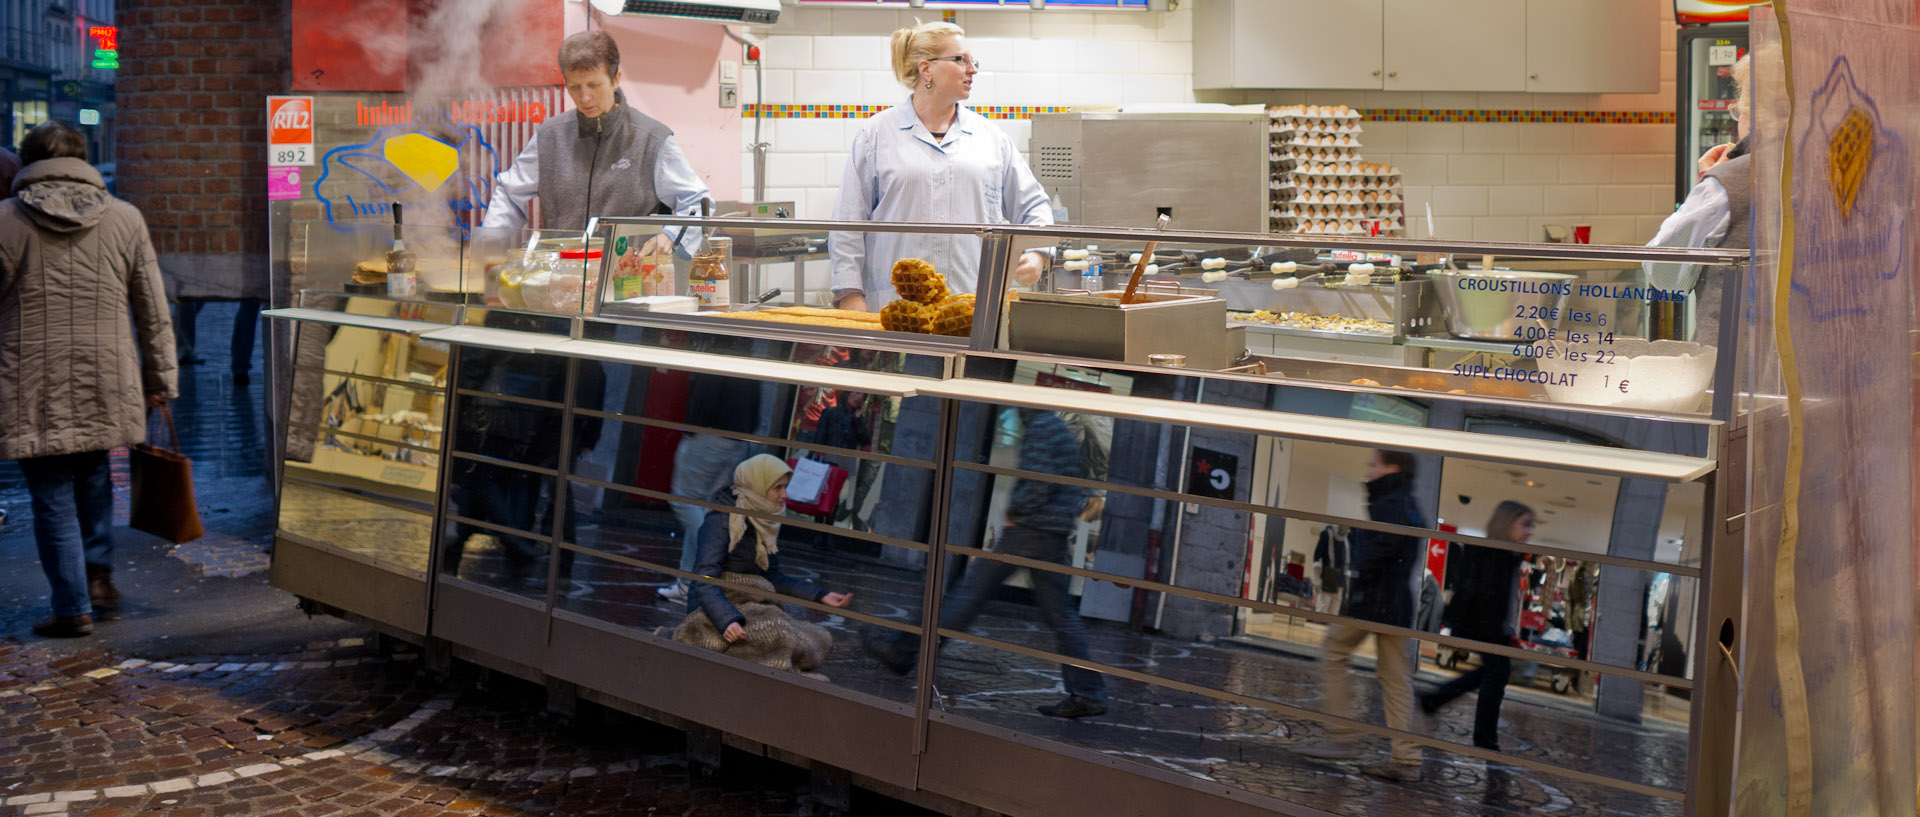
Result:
[{"x": 916, "y": 746}]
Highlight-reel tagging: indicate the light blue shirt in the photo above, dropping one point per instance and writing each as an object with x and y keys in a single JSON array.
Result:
[
  {"x": 674, "y": 181},
  {"x": 1701, "y": 221},
  {"x": 897, "y": 172}
]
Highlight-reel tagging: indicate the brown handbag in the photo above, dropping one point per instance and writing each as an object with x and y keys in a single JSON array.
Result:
[{"x": 162, "y": 496}]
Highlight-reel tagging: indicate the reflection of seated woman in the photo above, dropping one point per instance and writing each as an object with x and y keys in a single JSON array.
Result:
[{"x": 742, "y": 624}]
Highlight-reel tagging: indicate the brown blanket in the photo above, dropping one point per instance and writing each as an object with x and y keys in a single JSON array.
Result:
[{"x": 773, "y": 639}]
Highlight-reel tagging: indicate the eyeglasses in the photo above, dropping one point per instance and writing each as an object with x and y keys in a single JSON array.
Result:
[{"x": 963, "y": 61}]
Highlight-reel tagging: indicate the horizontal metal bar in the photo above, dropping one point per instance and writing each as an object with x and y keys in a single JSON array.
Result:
[
  {"x": 363, "y": 437},
  {"x": 1405, "y": 246},
  {"x": 500, "y": 463},
  {"x": 496, "y": 527},
  {"x": 403, "y": 384},
  {"x": 1324, "y": 618},
  {"x": 777, "y": 442},
  {"x": 877, "y": 340},
  {"x": 375, "y": 322},
  {"x": 509, "y": 398},
  {"x": 852, "y": 615},
  {"x": 1330, "y": 519},
  {"x": 1317, "y": 716},
  {"x": 904, "y": 544}
]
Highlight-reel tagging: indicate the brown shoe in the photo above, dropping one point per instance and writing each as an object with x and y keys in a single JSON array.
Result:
[
  {"x": 64, "y": 626},
  {"x": 100, "y": 589}
]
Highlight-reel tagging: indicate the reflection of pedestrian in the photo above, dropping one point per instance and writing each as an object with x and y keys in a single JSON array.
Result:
[
  {"x": 1040, "y": 523},
  {"x": 744, "y": 550},
  {"x": 703, "y": 463},
  {"x": 1485, "y": 581},
  {"x": 246, "y": 320},
  {"x": 74, "y": 262},
  {"x": 1381, "y": 591}
]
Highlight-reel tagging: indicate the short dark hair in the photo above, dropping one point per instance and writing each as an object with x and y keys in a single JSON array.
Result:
[
  {"x": 1397, "y": 459},
  {"x": 590, "y": 49},
  {"x": 53, "y": 140}
]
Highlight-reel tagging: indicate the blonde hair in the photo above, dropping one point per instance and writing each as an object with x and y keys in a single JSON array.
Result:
[
  {"x": 921, "y": 42},
  {"x": 1742, "y": 85}
]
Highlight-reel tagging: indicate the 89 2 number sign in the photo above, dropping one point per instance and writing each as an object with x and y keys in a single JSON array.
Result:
[{"x": 285, "y": 155}]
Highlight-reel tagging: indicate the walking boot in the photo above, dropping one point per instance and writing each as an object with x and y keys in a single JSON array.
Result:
[
  {"x": 64, "y": 626},
  {"x": 100, "y": 591}
]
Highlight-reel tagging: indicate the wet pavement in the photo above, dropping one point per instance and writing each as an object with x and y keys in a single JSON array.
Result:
[{"x": 214, "y": 695}]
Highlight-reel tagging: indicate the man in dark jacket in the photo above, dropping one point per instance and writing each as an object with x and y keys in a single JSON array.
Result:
[
  {"x": 1040, "y": 524},
  {"x": 1381, "y": 591}
]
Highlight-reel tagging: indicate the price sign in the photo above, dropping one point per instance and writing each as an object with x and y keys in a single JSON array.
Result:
[
  {"x": 1723, "y": 54},
  {"x": 289, "y": 131}
]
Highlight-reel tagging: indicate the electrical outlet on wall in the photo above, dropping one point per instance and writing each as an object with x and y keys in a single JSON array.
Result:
[{"x": 729, "y": 96}]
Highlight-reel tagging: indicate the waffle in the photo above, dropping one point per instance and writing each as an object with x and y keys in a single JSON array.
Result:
[
  {"x": 1849, "y": 151},
  {"x": 916, "y": 281},
  {"x": 907, "y": 316},
  {"x": 954, "y": 316}
]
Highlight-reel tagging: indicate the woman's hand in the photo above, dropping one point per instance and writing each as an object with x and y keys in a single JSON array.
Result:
[
  {"x": 857, "y": 302},
  {"x": 659, "y": 244},
  {"x": 836, "y": 599},
  {"x": 1027, "y": 272},
  {"x": 734, "y": 632},
  {"x": 1715, "y": 156},
  {"x": 156, "y": 401}
]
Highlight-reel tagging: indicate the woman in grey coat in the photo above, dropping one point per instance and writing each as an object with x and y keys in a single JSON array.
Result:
[{"x": 76, "y": 376}]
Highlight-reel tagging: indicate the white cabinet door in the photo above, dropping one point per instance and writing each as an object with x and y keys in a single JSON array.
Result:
[
  {"x": 1456, "y": 45},
  {"x": 1305, "y": 43},
  {"x": 1593, "y": 46}
]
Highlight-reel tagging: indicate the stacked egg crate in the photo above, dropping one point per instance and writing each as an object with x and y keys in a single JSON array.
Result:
[{"x": 1319, "y": 184}]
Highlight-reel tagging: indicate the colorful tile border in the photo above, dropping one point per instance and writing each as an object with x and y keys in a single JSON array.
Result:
[
  {"x": 1370, "y": 114},
  {"x": 864, "y": 111}
]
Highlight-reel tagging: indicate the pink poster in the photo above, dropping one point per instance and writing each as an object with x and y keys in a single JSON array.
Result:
[{"x": 283, "y": 183}]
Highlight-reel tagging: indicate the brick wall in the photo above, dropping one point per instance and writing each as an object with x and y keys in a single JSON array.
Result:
[{"x": 191, "y": 89}]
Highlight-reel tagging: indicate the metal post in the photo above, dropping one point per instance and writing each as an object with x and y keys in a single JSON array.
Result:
[
  {"x": 438, "y": 529},
  {"x": 939, "y": 522},
  {"x": 996, "y": 259},
  {"x": 562, "y": 500}
]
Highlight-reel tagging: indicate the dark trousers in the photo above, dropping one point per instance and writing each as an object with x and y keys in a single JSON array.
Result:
[
  {"x": 1050, "y": 594},
  {"x": 1490, "y": 678},
  {"x": 245, "y": 322}
]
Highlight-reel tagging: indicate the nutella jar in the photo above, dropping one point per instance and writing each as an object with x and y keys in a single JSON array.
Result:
[{"x": 708, "y": 279}]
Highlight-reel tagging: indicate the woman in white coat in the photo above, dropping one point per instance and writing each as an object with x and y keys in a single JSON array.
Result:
[{"x": 930, "y": 159}]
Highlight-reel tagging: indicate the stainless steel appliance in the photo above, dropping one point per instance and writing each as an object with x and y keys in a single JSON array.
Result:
[
  {"x": 1189, "y": 322},
  {"x": 1115, "y": 169}
]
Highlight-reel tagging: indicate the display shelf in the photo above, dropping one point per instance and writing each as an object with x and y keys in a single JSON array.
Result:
[{"x": 1590, "y": 459}]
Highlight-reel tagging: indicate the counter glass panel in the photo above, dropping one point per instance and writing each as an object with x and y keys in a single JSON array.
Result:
[{"x": 361, "y": 456}]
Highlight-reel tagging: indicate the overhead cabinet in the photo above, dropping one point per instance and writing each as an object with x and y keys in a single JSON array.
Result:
[{"x": 1541, "y": 46}]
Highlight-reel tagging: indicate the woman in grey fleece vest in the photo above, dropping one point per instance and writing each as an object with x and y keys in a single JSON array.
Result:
[{"x": 603, "y": 158}]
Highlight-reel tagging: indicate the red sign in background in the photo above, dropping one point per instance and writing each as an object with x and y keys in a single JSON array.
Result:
[{"x": 381, "y": 45}]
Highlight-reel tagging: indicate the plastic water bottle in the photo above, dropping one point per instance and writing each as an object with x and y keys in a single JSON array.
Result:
[{"x": 1092, "y": 280}]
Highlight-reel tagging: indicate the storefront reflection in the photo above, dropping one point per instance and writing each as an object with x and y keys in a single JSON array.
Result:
[{"x": 382, "y": 530}]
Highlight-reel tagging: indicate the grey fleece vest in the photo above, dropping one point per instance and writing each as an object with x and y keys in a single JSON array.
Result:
[
  {"x": 610, "y": 159},
  {"x": 1736, "y": 177}
]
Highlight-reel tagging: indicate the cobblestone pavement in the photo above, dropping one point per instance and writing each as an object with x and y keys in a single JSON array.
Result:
[{"x": 215, "y": 696}]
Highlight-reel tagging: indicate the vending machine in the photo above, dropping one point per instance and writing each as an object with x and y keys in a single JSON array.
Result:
[{"x": 1712, "y": 36}]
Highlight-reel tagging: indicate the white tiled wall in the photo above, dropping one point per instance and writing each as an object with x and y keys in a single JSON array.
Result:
[{"x": 1499, "y": 182}]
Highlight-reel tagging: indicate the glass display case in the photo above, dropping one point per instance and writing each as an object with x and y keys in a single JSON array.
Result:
[{"x": 1157, "y": 496}]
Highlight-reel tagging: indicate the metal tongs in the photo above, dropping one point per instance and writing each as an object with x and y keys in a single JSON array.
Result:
[{"x": 1146, "y": 257}]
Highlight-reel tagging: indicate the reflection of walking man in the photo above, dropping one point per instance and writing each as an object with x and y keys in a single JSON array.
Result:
[
  {"x": 1381, "y": 591},
  {"x": 1039, "y": 526}
]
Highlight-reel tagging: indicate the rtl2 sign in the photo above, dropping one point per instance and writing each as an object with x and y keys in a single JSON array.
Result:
[{"x": 289, "y": 130}]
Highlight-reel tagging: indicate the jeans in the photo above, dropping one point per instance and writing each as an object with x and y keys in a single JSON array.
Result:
[
  {"x": 702, "y": 465},
  {"x": 1050, "y": 594},
  {"x": 72, "y": 523},
  {"x": 1490, "y": 678},
  {"x": 1392, "y": 667}
]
